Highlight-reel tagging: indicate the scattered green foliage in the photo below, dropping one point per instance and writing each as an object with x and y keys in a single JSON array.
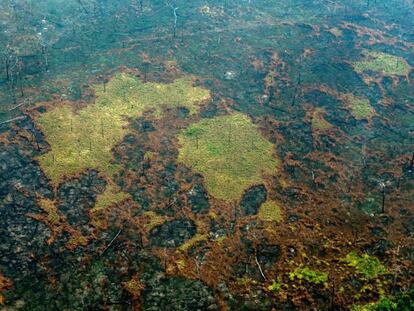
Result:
[
  {"x": 275, "y": 286},
  {"x": 270, "y": 211},
  {"x": 246, "y": 281},
  {"x": 311, "y": 276},
  {"x": 383, "y": 63},
  {"x": 366, "y": 265},
  {"x": 230, "y": 152}
]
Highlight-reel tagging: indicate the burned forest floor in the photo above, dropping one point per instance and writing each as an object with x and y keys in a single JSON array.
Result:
[{"x": 246, "y": 156}]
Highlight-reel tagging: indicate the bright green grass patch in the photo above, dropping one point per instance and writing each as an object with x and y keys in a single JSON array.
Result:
[
  {"x": 311, "y": 276},
  {"x": 130, "y": 96},
  {"x": 360, "y": 107},
  {"x": 230, "y": 152},
  {"x": 386, "y": 64},
  {"x": 366, "y": 265},
  {"x": 270, "y": 211},
  {"x": 77, "y": 142},
  {"x": 85, "y": 139}
]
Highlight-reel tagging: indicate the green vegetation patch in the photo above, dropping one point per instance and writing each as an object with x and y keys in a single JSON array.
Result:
[
  {"x": 382, "y": 63},
  {"x": 366, "y": 265},
  {"x": 318, "y": 121},
  {"x": 85, "y": 139},
  {"x": 230, "y": 152},
  {"x": 384, "y": 304},
  {"x": 270, "y": 211},
  {"x": 112, "y": 195},
  {"x": 131, "y": 97},
  {"x": 275, "y": 287},
  {"x": 311, "y": 276},
  {"x": 360, "y": 107}
]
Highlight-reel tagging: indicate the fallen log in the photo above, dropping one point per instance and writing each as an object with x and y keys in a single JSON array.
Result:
[
  {"x": 110, "y": 243},
  {"x": 14, "y": 119},
  {"x": 17, "y": 106}
]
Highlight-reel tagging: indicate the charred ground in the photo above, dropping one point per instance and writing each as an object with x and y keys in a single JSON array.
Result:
[{"x": 333, "y": 93}]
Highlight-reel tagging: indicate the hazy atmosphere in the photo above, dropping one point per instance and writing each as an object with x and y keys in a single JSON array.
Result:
[{"x": 207, "y": 155}]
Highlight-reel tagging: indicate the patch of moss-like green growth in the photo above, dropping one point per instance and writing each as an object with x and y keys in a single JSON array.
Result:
[
  {"x": 270, "y": 211},
  {"x": 84, "y": 139},
  {"x": 112, "y": 195},
  {"x": 382, "y": 63},
  {"x": 311, "y": 276},
  {"x": 230, "y": 152},
  {"x": 400, "y": 302},
  {"x": 360, "y": 107},
  {"x": 275, "y": 287},
  {"x": 384, "y": 304},
  {"x": 318, "y": 121},
  {"x": 369, "y": 266}
]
